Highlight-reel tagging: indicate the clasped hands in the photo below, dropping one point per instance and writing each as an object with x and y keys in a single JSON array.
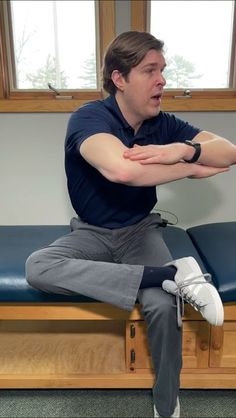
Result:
[{"x": 169, "y": 154}]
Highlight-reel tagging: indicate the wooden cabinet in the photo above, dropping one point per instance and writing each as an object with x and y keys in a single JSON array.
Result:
[{"x": 97, "y": 345}]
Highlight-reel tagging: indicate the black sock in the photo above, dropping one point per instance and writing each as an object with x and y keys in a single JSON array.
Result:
[{"x": 155, "y": 276}]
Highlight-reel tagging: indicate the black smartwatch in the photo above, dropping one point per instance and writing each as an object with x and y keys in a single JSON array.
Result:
[{"x": 197, "y": 153}]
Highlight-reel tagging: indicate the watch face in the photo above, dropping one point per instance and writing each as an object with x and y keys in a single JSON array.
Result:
[{"x": 191, "y": 143}]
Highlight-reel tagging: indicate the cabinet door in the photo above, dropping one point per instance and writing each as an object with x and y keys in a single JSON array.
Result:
[
  {"x": 223, "y": 345},
  {"x": 196, "y": 338}
]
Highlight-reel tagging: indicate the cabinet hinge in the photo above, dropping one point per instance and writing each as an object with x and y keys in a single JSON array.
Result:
[
  {"x": 132, "y": 356},
  {"x": 132, "y": 331}
]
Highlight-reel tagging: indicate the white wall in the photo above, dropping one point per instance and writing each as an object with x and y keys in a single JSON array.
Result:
[
  {"x": 32, "y": 180},
  {"x": 33, "y": 185}
]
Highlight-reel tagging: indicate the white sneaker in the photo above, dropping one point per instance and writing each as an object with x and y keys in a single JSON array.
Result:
[
  {"x": 176, "y": 413},
  {"x": 192, "y": 286}
]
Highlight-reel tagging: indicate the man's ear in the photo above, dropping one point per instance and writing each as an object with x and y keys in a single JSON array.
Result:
[{"x": 118, "y": 79}]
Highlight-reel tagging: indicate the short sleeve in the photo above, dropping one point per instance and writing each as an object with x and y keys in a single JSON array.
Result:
[
  {"x": 85, "y": 122},
  {"x": 179, "y": 130}
]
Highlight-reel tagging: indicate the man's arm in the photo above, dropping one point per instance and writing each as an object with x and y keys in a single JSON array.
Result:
[
  {"x": 215, "y": 151},
  {"x": 105, "y": 153}
]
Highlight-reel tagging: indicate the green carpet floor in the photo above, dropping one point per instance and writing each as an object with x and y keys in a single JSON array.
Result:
[{"x": 111, "y": 403}]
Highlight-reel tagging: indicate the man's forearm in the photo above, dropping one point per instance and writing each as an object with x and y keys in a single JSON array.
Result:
[
  {"x": 215, "y": 150},
  {"x": 156, "y": 174}
]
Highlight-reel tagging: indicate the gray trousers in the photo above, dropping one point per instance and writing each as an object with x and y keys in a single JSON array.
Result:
[{"x": 107, "y": 265}]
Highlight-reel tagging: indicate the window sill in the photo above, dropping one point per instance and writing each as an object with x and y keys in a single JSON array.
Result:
[
  {"x": 40, "y": 105},
  {"x": 196, "y": 104},
  {"x": 169, "y": 104}
]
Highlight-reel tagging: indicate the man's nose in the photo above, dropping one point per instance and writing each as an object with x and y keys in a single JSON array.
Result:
[{"x": 161, "y": 80}]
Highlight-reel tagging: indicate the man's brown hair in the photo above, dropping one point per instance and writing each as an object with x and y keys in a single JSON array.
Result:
[{"x": 125, "y": 52}]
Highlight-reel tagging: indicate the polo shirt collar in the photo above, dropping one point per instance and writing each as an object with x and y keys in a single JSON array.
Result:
[
  {"x": 112, "y": 105},
  {"x": 148, "y": 126}
]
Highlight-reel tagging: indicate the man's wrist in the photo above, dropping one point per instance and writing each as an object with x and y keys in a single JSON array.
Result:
[{"x": 188, "y": 152}]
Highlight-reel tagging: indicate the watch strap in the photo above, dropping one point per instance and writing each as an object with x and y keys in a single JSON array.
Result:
[{"x": 197, "y": 153}]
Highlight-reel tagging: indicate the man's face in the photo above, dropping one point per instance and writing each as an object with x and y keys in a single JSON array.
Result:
[{"x": 142, "y": 90}]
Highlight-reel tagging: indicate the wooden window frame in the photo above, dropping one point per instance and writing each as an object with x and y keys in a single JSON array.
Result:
[
  {"x": 30, "y": 102},
  {"x": 201, "y": 100}
]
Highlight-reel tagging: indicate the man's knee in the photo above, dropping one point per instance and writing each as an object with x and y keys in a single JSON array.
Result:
[{"x": 33, "y": 268}]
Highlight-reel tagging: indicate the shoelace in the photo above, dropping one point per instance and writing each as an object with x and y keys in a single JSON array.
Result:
[{"x": 181, "y": 295}]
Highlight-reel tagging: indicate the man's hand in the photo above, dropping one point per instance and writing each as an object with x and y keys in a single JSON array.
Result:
[
  {"x": 158, "y": 154},
  {"x": 203, "y": 171}
]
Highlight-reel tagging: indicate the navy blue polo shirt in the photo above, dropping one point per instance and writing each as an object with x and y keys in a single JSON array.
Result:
[{"x": 95, "y": 199}]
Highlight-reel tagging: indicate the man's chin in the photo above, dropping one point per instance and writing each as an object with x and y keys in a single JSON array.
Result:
[{"x": 154, "y": 112}]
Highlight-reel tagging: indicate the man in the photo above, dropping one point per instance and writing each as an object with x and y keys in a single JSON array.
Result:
[{"x": 117, "y": 151}]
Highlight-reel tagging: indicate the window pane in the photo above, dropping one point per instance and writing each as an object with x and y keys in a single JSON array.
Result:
[
  {"x": 197, "y": 36},
  {"x": 54, "y": 42}
]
